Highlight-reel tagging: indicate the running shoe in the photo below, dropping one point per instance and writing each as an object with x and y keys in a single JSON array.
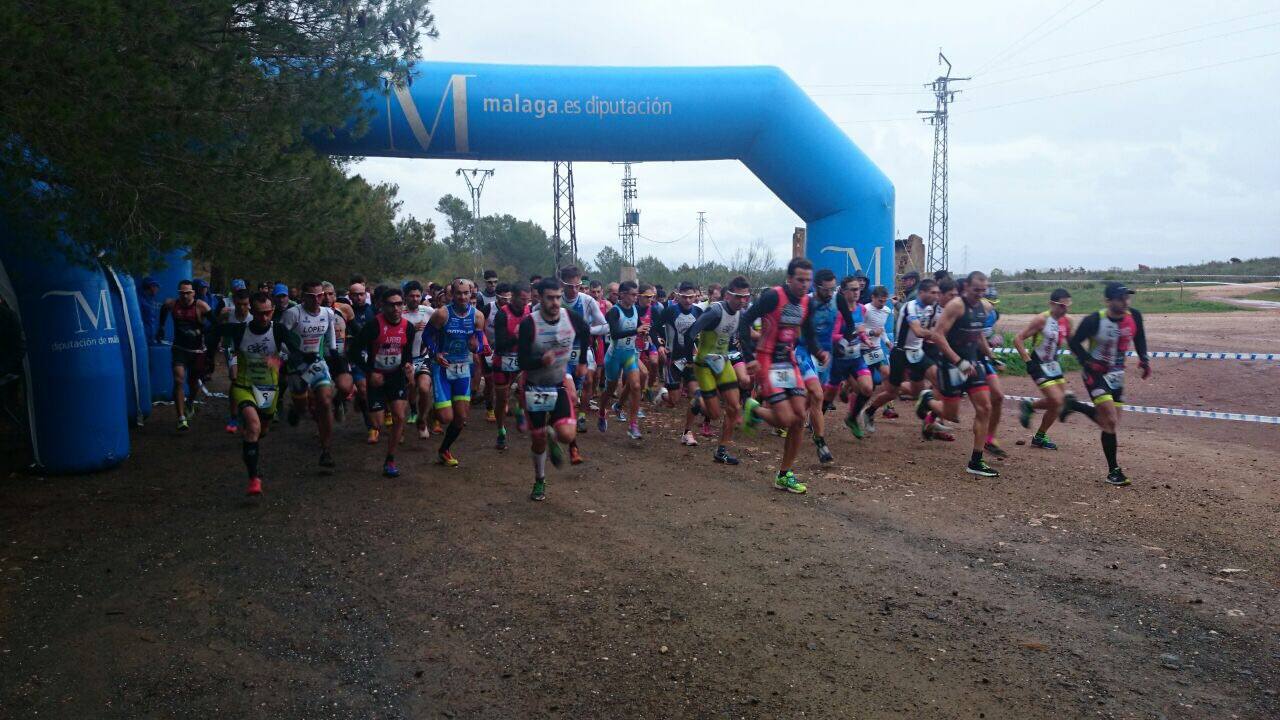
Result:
[
  {"x": 634, "y": 432},
  {"x": 255, "y": 486},
  {"x": 593, "y": 404},
  {"x": 326, "y": 460},
  {"x": 781, "y": 432},
  {"x": 749, "y": 419},
  {"x": 824, "y": 452},
  {"x": 867, "y": 420},
  {"x": 1117, "y": 478},
  {"x": 436, "y": 427},
  {"x": 922, "y": 403},
  {"x": 575, "y": 455},
  {"x": 489, "y": 416},
  {"x": 424, "y": 433},
  {"x": 981, "y": 469},
  {"x": 723, "y": 457},
  {"x": 854, "y": 427},
  {"x": 373, "y": 436},
  {"x": 640, "y": 413},
  {"x": 502, "y": 439},
  {"x": 233, "y": 427},
  {"x": 386, "y": 419},
  {"x": 943, "y": 435},
  {"x": 827, "y": 406},
  {"x": 390, "y": 470},
  {"x": 687, "y": 439},
  {"x": 413, "y": 417},
  {"x": 295, "y": 414},
  {"x": 339, "y": 410},
  {"x": 889, "y": 413},
  {"x": 1026, "y": 411},
  {"x": 557, "y": 455},
  {"x": 539, "y": 491},
  {"x": 447, "y": 459},
  {"x": 582, "y": 422},
  {"x": 522, "y": 425},
  {"x": 649, "y": 394},
  {"x": 183, "y": 425},
  {"x": 995, "y": 450},
  {"x": 787, "y": 481},
  {"x": 602, "y": 423},
  {"x": 707, "y": 430},
  {"x": 1042, "y": 441}
]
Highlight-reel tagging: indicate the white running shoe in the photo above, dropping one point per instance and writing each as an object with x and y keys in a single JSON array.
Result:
[{"x": 688, "y": 439}]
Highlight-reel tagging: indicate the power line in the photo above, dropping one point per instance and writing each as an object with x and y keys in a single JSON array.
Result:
[
  {"x": 867, "y": 94},
  {"x": 646, "y": 238},
  {"x": 1133, "y": 41},
  {"x": 1024, "y": 36},
  {"x": 1124, "y": 56},
  {"x": 1121, "y": 82},
  {"x": 1053, "y": 29}
]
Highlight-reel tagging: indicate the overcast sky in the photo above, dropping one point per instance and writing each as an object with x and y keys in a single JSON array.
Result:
[{"x": 1163, "y": 170}]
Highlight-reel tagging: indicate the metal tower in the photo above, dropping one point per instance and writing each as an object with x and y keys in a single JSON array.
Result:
[
  {"x": 475, "y": 187},
  {"x": 938, "y": 258},
  {"x": 702, "y": 228},
  {"x": 566, "y": 218},
  {"x": 630, "y": 216}
]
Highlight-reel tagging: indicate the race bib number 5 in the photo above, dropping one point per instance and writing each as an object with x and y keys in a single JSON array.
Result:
[{"x": 264, "y": 396}]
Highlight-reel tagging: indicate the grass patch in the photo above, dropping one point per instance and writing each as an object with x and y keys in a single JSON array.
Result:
[
  {"x": 1014, "y": 367},
  {"x": 1272, "y": 295},
  {"x": 1089, "y": 299}
]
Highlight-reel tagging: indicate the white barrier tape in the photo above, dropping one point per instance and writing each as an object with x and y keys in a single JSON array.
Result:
[
  {"x": 1188, "y": 355},
  {"x": 1179, "y": 412}
]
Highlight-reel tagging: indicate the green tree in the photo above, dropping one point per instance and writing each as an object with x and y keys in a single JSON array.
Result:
[
  {"x": 609, "y": 264},
  {"x": 144, "y": 125},
  {"x": 458, "y": 215}
]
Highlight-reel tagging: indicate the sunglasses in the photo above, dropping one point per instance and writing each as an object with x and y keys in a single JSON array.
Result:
[
  {"x": 393, "y": 303},
  {"x": 738, "y": 294},
  {"x": 315, "y": 295},
  {"x": 1062, "y": 303},
  {"x": 186, "y": 292}
]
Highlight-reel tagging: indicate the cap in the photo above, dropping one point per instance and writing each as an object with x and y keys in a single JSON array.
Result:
[
  {"x": 1115, "y": 291},
  {"x": 992, "y": 295},
  {"x": 201, "y": 283},
  {"x": 148, "y": 281},
  {"x": 280, "y": 289},
  {"x": 860, "y": 275},
  {"x": 238, "y": 284},
  {"x": 912, "y": 274}
]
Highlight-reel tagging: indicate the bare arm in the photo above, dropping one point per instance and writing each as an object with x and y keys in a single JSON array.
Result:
[{"x": 1032, "y": 328}]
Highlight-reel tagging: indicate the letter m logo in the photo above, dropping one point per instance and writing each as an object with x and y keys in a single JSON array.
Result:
[
  {"x": 85, "y": 311},
  {"x": 457, "y": 87}
]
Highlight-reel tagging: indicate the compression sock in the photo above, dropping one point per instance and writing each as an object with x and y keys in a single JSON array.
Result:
[
  {"x": 540, "y": 465},
  {"x": 1109, "y": 449},
  {"x": 451, "y": 433},
  {"x": 859, "y": 403},
  {"x": 976, "y": 457},
  {"x": 1086, "y": 409},
  {"x": 249, "y": 451}
]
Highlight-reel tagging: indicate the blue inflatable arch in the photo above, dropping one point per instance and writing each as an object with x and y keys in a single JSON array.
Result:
[{"x": 754, "y": 114}]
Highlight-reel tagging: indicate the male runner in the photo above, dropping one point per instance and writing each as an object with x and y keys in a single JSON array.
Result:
[
  {"x": 713, "y": 367},
  {"x": 422, "y": 353},
  {"x": 506, "y": 360},
  {"x": 823, "y": 309},
  {"x": 786, "y": 320},
  {"x": 907, "y": 360},
  {"x": 339, "y": 368},
  {"x": 309, "y": 378},
  {"x": 878, "y": 315},
  {"x": 947, "y": 291},
  {"x": 992, "y": 365},
  {"x": 583, "y": 304},
  {"x": 384, "y": 352},
  {"x": 621, "y": 360},
  {"x": 647, "y": 346},
  {"x": 237, "y": 312},
  {"x": 958, "y": 336},
  {"x": 676, "y": 322},
  {"x": 362, "y": 313},
  {"x": 457, "y": 327},
  {"x": 850, "y": 364},
  {"x": 1100, "y": 344},
  {"x": 189, "y": 316},
  {"x": 1048, "y": 332},
  {"x": 258, "y": 346},
  {"x": 545, "y": 340}
]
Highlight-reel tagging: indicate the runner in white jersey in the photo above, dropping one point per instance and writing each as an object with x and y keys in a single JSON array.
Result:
[
  {"x": 339, "y": 368},
  {"x": 488, "y": 303},
  {"x": 309, "y": 379},
  {"x": 1048, "y": 333},
  {"x": 235, "y": 313},
  {"x": 877, "y": 317},
  {"x": 908, "y": 362},
  {"x": 419, "y": 316},
  {"x": 586, "y": 307}
]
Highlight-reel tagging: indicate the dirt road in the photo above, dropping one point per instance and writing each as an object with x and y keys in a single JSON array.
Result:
[{"x": 655, "y": 584}]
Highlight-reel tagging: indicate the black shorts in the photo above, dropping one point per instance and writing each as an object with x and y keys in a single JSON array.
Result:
[
  {"x": 338, "y": 365},
  {"x": 677, "y": 377},
  {"x": 1042, "y": 377},
  {"x": 900, "y": 367},
  {"x": 192, "y": 360},
  {"x": 394, "y": 387},
  {"x": 952, "y": 383},
  {"x": 560, "y": 414},
  {"x": 1105, "y": 386}
]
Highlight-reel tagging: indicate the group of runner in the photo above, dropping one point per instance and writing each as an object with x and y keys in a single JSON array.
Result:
[{"x": 546, "y": 353}]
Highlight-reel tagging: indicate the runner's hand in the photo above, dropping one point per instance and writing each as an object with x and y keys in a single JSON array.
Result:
[
  {"x": 822, "y": 357},
  {"x": 548, "y": 358},
  {"x": 967, "y": 368},
  {"x": 1146, "y": 369},
  {"x": 442, "y": 360}
]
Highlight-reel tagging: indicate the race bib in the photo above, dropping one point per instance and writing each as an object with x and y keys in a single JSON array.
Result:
[
  {"x": 573, "y": 354},
  {"x": 540, "y": 398},
  {"x": 782, "y": 378},
  {"x": 1115, "y": 379},
  {"x": 735, "y": 357},
  {"x": 264, "y": 396},
  {"x": 386, "y": 362},
  {"x": 626, "y": 343},
  {"x": 315, "y": 371},
  {"x": 510, "y": 363},
  {"x": 680, "y": 364},
  {"x": 955, "y": 376},
  {"x": 457, "y": 371},
  {"x": 914, "y": 356},
  {"x": 1051, "y": 369},
  {"x": 846, "y": 349},
  {"x": 715, "y": 363},
  {"x": 874, "y": 356}
]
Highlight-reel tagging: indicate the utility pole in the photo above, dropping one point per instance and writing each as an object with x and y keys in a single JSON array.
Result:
[
  {"x": 566, "y": 218},
  {"x": 938, "y": 258},
  {"x": 630, "y": 216},
  {"x": 702, "y": 227},
  {"x": 475, "y": 187}
]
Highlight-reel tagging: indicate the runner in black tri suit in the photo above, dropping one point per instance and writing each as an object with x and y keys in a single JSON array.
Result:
[{"x": 189, "y": 317}]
